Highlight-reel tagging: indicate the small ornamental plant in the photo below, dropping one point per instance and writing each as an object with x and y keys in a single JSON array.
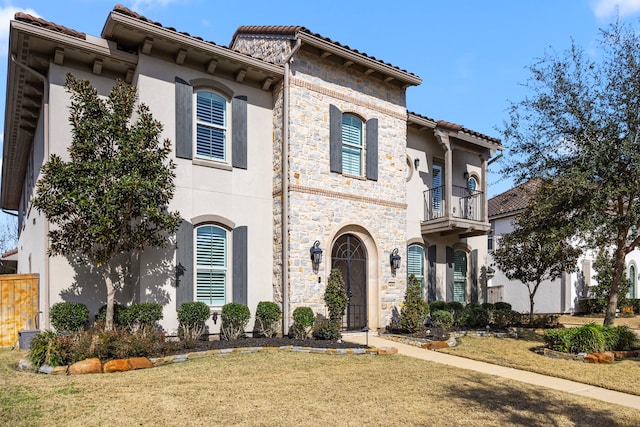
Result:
[
  {"x": 69, "y": 317},
  {"x": 192, "y": 316},
  {"x": 267, "y": 318},
  {"x": 415, "y": 309},
  {"x": 335, "y": 296},
  {"x": 303, "y": 319},
  {"x": 235, "y": 317}
]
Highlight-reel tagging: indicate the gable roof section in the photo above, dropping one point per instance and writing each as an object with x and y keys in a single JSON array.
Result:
[
  {"x": 421, "y": 122},
  {"x": 342, "y": 55},
  {"x": 513, "y": 201}
]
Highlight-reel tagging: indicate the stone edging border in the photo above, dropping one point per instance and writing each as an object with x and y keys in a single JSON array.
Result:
[{"x": 122, "y": 365}]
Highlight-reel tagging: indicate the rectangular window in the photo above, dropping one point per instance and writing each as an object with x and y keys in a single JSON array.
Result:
[
  {"x": 211, "y": 126},
  {"x": 415, "y": 263},
  {"x": 351, "y": 145},
  {"x": 211, "y": 265},
  {"x": 460, "y": 276}
]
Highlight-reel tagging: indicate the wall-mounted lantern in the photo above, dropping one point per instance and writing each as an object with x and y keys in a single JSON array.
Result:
[
  {"x": 416, "y": 162},
  {"x": 465, "y": 175},
  {"x": 394, "y": 260},
  {"x": 316, "y": 256}
]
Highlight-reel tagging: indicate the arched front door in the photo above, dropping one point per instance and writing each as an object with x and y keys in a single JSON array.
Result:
[{"x": 349, "y": 256}]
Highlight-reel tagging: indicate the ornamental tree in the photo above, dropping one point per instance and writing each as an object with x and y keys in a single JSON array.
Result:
[
  {"x": 579, "y": 128},
  {"x": 534, "y": 252},
  {"x": 112, "y": 196}
]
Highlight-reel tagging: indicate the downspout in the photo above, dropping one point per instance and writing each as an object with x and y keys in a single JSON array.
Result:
[
  {"x": 45, "y": 110},
  {"x": 285, "y": 189}
]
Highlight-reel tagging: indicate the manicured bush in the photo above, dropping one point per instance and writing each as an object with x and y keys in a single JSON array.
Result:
[
  {"x": 303, "y": 319},
  {"x": 489, "y": 306},
  {"x": 51, "y": 348},
  {"x": 437, "y": 306},
  {"x": 506, "y": 318},
  {"x": 327, "y": 330},
  {"x": 118, "y": 311},
  {"x": 267, "y": 317},
  {"x": 235, "y": 317},
  {"x": 336, "y": 299},
  {"x": 442, "y": 318},
  {"x": 476, "y": 316},
  {"x": 415, "y": 309},
  {"x": 457, "y": 311},
  {"x": 141, "y": 316},
  {"x": 69, "y": 316},
  {"x": 191, "y": 318},
  {"x": 501, "y": 305}
]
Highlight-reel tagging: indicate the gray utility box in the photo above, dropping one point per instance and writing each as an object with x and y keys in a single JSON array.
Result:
[{"x": 24, "y": 338}]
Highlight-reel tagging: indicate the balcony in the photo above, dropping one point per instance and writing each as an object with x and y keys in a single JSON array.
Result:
[{"x": 462, "y": 213}]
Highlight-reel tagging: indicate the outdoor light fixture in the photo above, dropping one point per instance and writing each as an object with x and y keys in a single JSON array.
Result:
[
  {"x": 466, "y": 175},
  {"x": 394, "y": 260},
  {"x": 416, "y": 162},
  {"x": 316, "y": 255}
]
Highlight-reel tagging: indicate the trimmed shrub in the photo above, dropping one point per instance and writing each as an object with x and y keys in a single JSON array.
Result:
[
  {"x": 303, "y": 319},
  {"x": 191, "y": 316},
  {"x": 118, "y": 310},
  {"x": 335, "y": 296},
  {"x": 327, "y": 330},
  {"x": 235, "y": 317},
  {"x": 437, "y": 306},
  {"x": 141, "y": 316},
  {"x": 476, "y": 316},
  {"x": 415, "y": 309},
  {"x": 506, "y": 318},
  {"x": 442, "y": 318},
  {"x": 501, "y": 305},
  {"x": 69, "y": 316},
  {"x": 267, "y": 317}
]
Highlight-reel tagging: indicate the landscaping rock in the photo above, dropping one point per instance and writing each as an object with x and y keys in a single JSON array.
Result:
[
  {"x": 435, "y": 345},
  {"x": 387, "y": 350},
  {"x": 140, "y": 363},
  {"x": 626, "y": 354},
  {"x": 86, "y": 366},
  {"x": 118, "y": 365}
]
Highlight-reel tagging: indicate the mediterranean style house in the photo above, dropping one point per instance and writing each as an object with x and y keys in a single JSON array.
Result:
[
  {"x": 553, "y": 296},
  {"x": 295, "y": 155}
]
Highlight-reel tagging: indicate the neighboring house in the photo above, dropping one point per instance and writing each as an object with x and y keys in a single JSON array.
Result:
[
  {"x": 557, "y": 296},
  {"x": 363, "y": 177}
]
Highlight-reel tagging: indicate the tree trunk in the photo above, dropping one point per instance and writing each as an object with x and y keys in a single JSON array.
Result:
[
  {"x": 618, "y": 273},
  {"x": 110, "y": 297}
]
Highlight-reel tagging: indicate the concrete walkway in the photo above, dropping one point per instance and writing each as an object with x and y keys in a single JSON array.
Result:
[{"x": 568, "y": 386}]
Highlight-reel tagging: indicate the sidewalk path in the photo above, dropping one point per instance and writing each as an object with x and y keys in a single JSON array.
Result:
[{"x": 568, "y": 386}]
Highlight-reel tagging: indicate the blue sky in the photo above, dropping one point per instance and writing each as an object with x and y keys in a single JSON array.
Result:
[{"x": 471, "y": 55}]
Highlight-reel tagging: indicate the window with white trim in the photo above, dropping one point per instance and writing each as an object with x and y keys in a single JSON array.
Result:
[
  {"x": 352, "y": 144},
  {"x": 415, "y": 263},
  {"x": 211, "y": 126},
  {"x": 632, "y": 282},
  {"x": 211, "y": 264}
]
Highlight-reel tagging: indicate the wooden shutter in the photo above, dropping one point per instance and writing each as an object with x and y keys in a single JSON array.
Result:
[
  {"x": 240, "y": 264},
  {"x": 239, "y": 132},
  {"x": 431, "y": 257},
  {"x": 184, "y": 119},
  {"x": 450, "y": 273},
  {"x": 335, "y": 139},
  {"x": 372, "y": 149},
  {"x": 474, "y": 276},
  {"x": 184, "y": 263}
]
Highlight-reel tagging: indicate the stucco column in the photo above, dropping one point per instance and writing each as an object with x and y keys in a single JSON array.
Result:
[
  {"x": 484, "y": 157},
  {"x": 443, "y": 139}
]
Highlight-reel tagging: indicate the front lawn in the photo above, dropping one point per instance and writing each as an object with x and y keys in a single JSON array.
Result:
[
  {"x": 293, "y": 389},
  {"x": 518, "y": 353}
]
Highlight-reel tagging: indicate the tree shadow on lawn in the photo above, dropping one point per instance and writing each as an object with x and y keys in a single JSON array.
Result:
[{"x": 520, "y": 404}]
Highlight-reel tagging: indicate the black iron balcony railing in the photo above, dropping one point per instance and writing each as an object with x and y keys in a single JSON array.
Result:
[{"x": 465, "y": 204}]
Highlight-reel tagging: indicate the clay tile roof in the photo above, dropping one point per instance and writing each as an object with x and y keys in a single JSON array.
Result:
[
  {"x": 291, "y": 30},
  {"x": 514, "y": 200},
  {"x": 9, "y": 253},
  {"x": 449, "y": 125},
  {"x": 128, "y": 12},
  {"x": 39, "y": 22}
]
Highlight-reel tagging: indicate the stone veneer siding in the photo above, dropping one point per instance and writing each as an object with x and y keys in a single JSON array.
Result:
[{"x": 323, "y": 204}]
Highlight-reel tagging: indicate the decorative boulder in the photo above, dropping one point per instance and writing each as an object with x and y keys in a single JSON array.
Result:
[
  {"x": 140, "y": 363},
  {"x": 118, "y": 365},
  {"x": 86, "y": 366}
]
